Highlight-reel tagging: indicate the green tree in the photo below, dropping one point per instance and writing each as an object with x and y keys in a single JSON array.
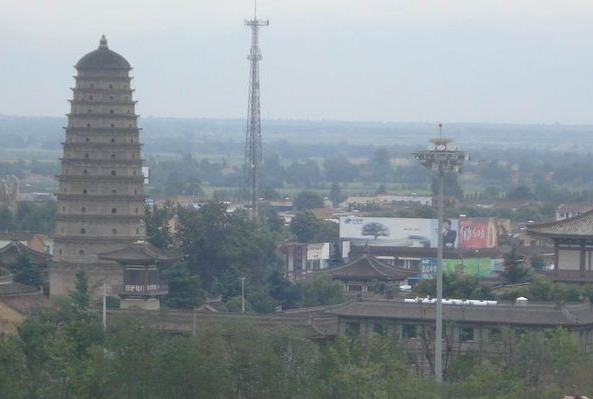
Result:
[
  {"x": 305, "y": 226},
  {"x": 380, "y": 165},
  {"x": 157, "y": 224},
  {"x": 27, "y": 273},
  {"x": 335, "y": 195},
  {"x": 320, "y": 290},
  {"x": 307, "y": 200},
  {"x": 184, "y": 288},
  {"x": 515, "y": 269}
]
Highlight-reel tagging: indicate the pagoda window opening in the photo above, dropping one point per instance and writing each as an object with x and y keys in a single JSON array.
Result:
[
  {"x": 111, "y": 97},
  {"x": 87, "y": 139},
  {"x": 135, "y": 191},
  {"x": 63, "y": 209},
  {"x": 86, "y": 156},
  {"x": 61, "y": 229},
  {"x": 133, "y": 156},
  {"x": 134, "y": 173},
  {"x": 111, "y": 86},
  {"x": 91, "y": 98},
  {"x": 81, "y": 252},
  {"x": 114, "y": 231},
  {"x": 131, "y": 140},
  {"x": 136, "y": 210},
  {"x": 84, "y": 191},
  {"x": 114, "y": 192},
  {"x": 60, "y": 251},
  {"x": 137, "y": 231},
  {"x": 82, "y": 231},
  {"x": 113, "y": 156},
  {"x": 113, "y": 140},
  {"x": 112, "y": 125},
  {"x": 113, "y": 210},
  {"x": 92, "y": 86},
  {"x": 113, "y": 173},
  {"x": 90, "y": 111},
  {"x": 88, "y": 125},
  {"x": 85, "y": 172},
  {"x": 111, "y": 111}
]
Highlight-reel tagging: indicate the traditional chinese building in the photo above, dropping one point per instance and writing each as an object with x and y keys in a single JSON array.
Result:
[
  {"x": 101, "y": 193},
  {"x": 573, "y": 247},
  {"x": 362, "y": 273},
  {"x": 141, "y": 286}
]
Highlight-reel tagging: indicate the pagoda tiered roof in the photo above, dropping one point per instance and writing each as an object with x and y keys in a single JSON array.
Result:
[
  {"x": 367, "y": 267},
  {"x": 141, "y": 252},
  {"x": 580, "y": 226}
]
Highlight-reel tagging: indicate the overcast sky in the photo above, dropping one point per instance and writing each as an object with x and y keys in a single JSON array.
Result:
[{"x": 526, "y": 61}]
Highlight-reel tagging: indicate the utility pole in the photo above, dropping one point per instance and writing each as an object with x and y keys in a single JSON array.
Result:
[
  {"x": 104, "y": 307},
  {"x": 243, "y": 295},
  {"x": 253, "y": 145},
  {"x": 441, "y": 159}
]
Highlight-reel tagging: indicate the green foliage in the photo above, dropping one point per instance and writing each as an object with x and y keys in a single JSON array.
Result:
[
  {"x": 25, "y": 272},
  {"x": 305, "y": 226},
  {"x": 222, "y": 247},
  {"x": 547, "y": 291},
  {"x": 515, "y": 270},
  {"x": 320, "y": 290},
  {"x": 38, "y": 217},
  {"x": 157, "y": 224},
  {"x": 335, "y": 195},
  {"x": 455, "y": 286},
  {"x": 307, "y": 200},
  {"x": 184, "y": 288}
]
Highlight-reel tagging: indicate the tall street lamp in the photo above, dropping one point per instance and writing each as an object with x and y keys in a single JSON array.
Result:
[
  {"x": 441, "y": 158},
  {"x": 243, "y": 295}
]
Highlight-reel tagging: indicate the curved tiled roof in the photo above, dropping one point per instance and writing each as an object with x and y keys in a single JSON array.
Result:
[
  {"x": 580, "y": 226},
  {"x": 140, "y": 252},
  {"x": 103, "y": 58},
  {"x": 367, "y": 267}
]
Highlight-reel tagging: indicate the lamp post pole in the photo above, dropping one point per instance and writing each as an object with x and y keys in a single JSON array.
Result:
[
  {"x": 441, "y": 159},
  {"x": 243, "y": 295}
]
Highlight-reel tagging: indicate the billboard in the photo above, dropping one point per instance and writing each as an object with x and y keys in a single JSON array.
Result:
[
  {"x": 466, "y": 233},
  {"x": 398, "y": 232},
  {"x": 477, "y": 233},
  {"x": 479, "y": 267}
]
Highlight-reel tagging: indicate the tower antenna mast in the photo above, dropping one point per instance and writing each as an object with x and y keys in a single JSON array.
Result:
[{"x": 253, "y": 145}]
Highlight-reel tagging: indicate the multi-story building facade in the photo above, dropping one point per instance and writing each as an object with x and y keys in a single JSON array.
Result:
[{"x": 101, "y": 193}]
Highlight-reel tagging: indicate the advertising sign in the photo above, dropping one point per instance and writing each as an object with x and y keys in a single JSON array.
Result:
[
  {"x": 398, "y": 232},
  {"x": 477, "y": 233},
  {"x": 478, "y": 267}
]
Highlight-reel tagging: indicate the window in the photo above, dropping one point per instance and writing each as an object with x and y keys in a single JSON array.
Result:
[
  {"x": 90, "y": 111},
  {"x": 113, "y": 140},
  {"x": 110, "y": 111},
  {"x": 81, "y": 252},
  {"x": 114, "y": 231},
  {"x": 113, "y": 156},
  {"x": 111, "y": 86},
  {"x": 355, "y": 287},
  {"x": 87, "y": 139},
  {"x": 84, "y": 191},
  {"x": 92, "y": 86},
  {"x": 133, "y": 156},
  {"x": 114, "y": 192},
  {"x": 82, "y": 231},
  {"x": 112, "y": 125},
  {"x": 63, "y": 209},
  {"x": 83, "y": 210},
  {"x": 86, "y": 156},
  {"x": 135, "y": 191},
  {"x": 134, "y": 173},
  {"x": 60, "y": 251},
  {"x": 136, "y": 210},
  {"x": 409, "y": 331},
  {"x": 113, "y": 210},
  {"x": 88, "y": 125},
  {"x": 85, "y": 172},
  {"x": 466, "y": 334},
  {"x": 111, "y": 97},
  {"x": 113, "y": 173},
  {"x": 352, "y": 329},
  {"x": 137, "y": 231},
  {"x": 495, "y": 335},
  {"x": 131, "y": 140},
  {"x": 91, "y": 98},
  {"x": 380, "y": 328}
]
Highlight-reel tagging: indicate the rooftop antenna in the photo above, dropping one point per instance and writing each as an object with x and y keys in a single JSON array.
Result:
[{"x": 253, "y": 146}]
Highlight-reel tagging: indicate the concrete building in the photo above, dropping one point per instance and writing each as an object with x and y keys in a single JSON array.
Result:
[{"x": 101, "y": 192}]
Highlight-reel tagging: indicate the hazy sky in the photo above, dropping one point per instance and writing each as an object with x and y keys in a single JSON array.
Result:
[{"x": 385, "y": 60}]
